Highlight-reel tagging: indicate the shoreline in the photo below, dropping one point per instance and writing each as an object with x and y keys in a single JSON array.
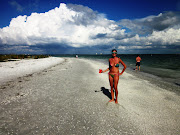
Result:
[{"x": 156, "y": 80}]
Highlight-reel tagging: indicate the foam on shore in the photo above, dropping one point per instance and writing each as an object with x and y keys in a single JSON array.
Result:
[{"x": 14, "y": 69}]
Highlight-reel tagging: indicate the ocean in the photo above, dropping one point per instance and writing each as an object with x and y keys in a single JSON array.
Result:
[{"x": 164, "y": 66}]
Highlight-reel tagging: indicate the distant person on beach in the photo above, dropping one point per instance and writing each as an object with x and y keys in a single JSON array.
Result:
[
  {"x": 138, "y": 60},
  {"x": 114, "y": 74}
]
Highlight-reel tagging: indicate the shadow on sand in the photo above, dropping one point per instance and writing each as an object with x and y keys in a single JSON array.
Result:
[
  {"x": 105, "y": 92},
  {"x": 108, "y": 94}
]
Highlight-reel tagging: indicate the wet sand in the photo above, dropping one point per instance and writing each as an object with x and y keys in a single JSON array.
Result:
[{"x": 72, "y": 98}]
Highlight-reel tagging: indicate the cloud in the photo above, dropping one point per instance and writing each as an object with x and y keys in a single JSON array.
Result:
[
  {"x": 79, "y": 26},
  {"x": 152, "y": 23},
  {"x": 170, "y": 36},
  {"x": 163, "y": 29},
  {"x": 15, "y": 4},
  {"x": 167, "y": 37},
  {"x": 21, "y": 49},
  {"x": 134, "y": 47},
  {"x": 74, "y": 25}
]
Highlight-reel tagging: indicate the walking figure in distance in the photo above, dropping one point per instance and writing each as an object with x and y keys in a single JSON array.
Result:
[{"x": 138, "y": 60}]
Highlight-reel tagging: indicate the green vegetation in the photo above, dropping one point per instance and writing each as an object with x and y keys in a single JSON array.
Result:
[{"x": 11, "y": 57}]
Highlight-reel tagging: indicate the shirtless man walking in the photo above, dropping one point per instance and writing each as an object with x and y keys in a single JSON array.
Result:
[{"x": 138, "y": 60}]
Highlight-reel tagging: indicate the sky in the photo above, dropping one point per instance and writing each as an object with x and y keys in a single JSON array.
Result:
[{"x": 89, "y": 26}]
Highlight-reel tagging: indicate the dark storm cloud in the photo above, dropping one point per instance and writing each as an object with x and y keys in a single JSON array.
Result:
[
  {"x": 149, "y": 24},
  {"x": 163, "y": 21},
  {"x": 115, "y": 37},
  {"x": 100, "y": 35}
]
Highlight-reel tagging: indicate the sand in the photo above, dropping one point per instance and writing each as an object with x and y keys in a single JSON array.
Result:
[
  {"x": 72, "y": 98},
  {"x": 23, "y": 67}
]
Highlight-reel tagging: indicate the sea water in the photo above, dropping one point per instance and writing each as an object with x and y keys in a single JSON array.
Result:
[{"x": 165, "y": 66}]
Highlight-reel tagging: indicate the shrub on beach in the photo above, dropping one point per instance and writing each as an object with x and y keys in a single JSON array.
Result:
[{"x": 4, "y": 58}]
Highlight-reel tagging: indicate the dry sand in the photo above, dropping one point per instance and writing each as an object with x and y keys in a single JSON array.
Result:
[
  {"x": 23, "y": 67},
  {"x": 72, "y": 98}
]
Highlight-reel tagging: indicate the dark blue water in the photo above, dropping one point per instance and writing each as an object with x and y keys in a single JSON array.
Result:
[{"x": 161, "y": 65}]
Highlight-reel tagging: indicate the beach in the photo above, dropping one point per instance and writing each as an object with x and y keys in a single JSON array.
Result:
[
  {"x": 69, "y": 96},
  {"x": 22, "y": 67}
]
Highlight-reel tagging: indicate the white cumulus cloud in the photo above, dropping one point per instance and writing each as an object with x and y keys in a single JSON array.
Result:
[
  {"x": 65, "y": 24},
  {"x": 166, "y": 37}
]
